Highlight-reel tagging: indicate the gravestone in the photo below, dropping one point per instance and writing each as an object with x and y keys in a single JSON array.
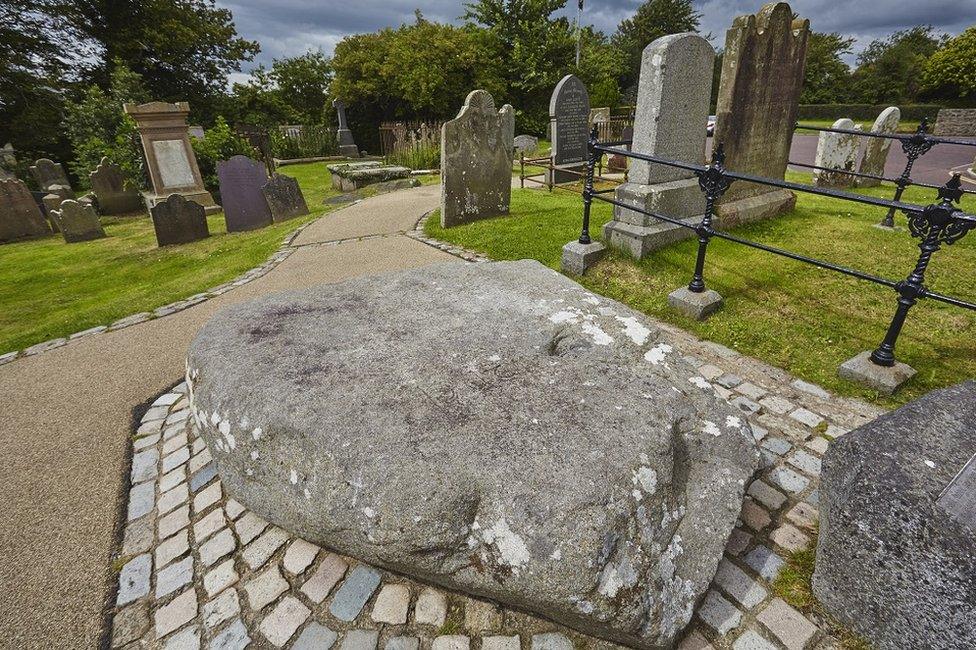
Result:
[
  {"x": 599, "y": 115},
  {"x": 762, "y": 74},
  {"x": 896, "y": 553},
  {"x": 569, "y": 110},
  {"x": 49, "y": 174},
  {"x": 618, "y": 162},
  {"x": 8, "y": 162},
  {"x": 836, "y": 151},
  {"x": 526, "y": 143},
  {"x": 50, "y": 203},
  {"x": 196, "y": 132},
  {"x": 110, "y": 189},
  {"x": 347, "y": 146},
  {"x": 876, "y": 149},
  {"x": 340, "y": 170},
  {"x": 179, "y": 221},
  {"x": 241, "y": 181},
  {"x": 20, "y": 217},
  {"x": 170, "y": 161},
  {"x": 669, "y": 122},
  {"x": 476, "y": 161},
  {"x": 284, "y": 197},
  {"x": 78, "y": 222}
]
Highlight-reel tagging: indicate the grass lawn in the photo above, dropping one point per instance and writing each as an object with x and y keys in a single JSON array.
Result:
[
  {"x": 792, "y": 315},
  {"x": 50, "y": 289},
  {"x": 904, "y": 126}
]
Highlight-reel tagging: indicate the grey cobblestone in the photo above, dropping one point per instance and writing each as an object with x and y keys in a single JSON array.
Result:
[
  {"x": 413, "y": 643},
  {"x": 719, "y": 614},
  {"x": 319, "y": 637},
  {"x": 325, "y": 578},
  {"x": 234, "y": 637},
  {"x": 134, "y": 579},
  {"x": 739, "y": 585},
  {"x": 284, "y": 620},
  {"x": 752, "y": 640},
  {"x": 431, "y": 608},
  {"x": 451, "y": 642},
  {"x": 219, "y": 578},
  {"x": 142, "y": 498},
  {"x": 172, "y": 548},
  {"x": 764, "y": 561},
  {"x": 352, "y": 595},
  {"x": 144, "y": 465},
  {"x": 174, "y": 577},
  {"x": 178, "y": 612},
  {"x": 787, "y": 624},
  {"x": 789, "y": 480},
  {"x": 807, "y": 417},
  {"x": 392, "y": 604},
  {"x": 222, "y": 608},
  {"x": 261, "y": 549},
  {"x": 805, "y": 462},
  {"x": 263, "y": 589},
  {"x": 766, "y": 495}
]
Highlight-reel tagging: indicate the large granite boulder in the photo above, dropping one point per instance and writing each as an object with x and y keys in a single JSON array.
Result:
[
  {"x": 896, "y": 556},
  {"x": 494, "y": 428}
]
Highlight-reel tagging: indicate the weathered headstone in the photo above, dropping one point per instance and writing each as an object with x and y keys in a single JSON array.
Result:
[
  {"x": 197, "y": 132},
  {"x": 8, "y": 162},
  {"x": 762, "y": 75},
  {"x": 179, "y": 221},
  {"x": 170, "y": 160},
  {"x": 876, "y": 149},
  {"x": 78, "y": 222},
  {"x": 50, "y": 174},
  {"x": 569, "y": 110},
  {"x": 50, "y": 203},
  {"x": 110, "y": 189},
  {"x": 618, "y": 162},
  {"x": 347, "y": 146},
  {"x": 19, "y": 215},
  {"x": 836, "y": 151},
  {"x": 241, "y": 180},
  {"x": 669, "y": 122},
  {"x": 609, "y": 514},
  {"x": 526, "y": 143},
  {"x": 284, "y": 197},
  {"x": 896, "y": 553},
  {"x": 476, "y": 161}
]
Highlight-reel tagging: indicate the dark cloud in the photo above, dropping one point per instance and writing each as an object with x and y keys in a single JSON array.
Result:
[{"x": 289, "y": 27}]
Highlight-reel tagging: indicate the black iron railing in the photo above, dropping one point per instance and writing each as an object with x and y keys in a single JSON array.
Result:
[
  {"x": 935, "y": 225},
  {"x": 915, "y": 145}
]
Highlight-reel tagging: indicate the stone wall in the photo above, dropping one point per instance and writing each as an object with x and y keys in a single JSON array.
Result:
[{"x": 956, "y": 121}]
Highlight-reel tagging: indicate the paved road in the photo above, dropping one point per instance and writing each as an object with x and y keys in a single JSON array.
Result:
[{"x": 66, "y": 418}]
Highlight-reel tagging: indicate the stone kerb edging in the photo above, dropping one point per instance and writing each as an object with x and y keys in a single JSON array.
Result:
[
  {"x": 274, "y": 260},
  {"x": 457, "y": 251}
]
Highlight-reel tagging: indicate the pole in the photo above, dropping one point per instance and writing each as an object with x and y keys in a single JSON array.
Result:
[{"x": 579, "y": 32}]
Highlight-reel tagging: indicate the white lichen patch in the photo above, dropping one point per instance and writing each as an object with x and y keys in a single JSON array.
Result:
[
  {"x": 256, "y": 434},
  {"x": 571, "y": 316},
  {"x": 369, "y": 512},
  {"x": 293, "y": 477},
  {"x": 658, "y": 354},
  {"x": 646, "y": 479},
  {"x": 593, "y": 300},
  {"x": 634, "y": 329},
  {"x": 733, "y": 422},
  {"x": 711, "y": 428},
  {"x": 512, "y": 550},
  {"x": 556, "y": 555},
  {"x": 494, "y": 358},
  {"x": 700, "y": 381},
  {"x": 930, "y": 464},
  {"x": 599, "y": 336},
  {"x": 616, "y": 577}
]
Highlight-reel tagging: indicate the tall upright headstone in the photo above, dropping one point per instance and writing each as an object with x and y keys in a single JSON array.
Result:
[
  {"x": 78, "y": 222},
  {"x": 762, "y": 75},
  {"x": 836, "y": 154},
  {"x": 178, "y": 221},
  {"x": 284, "y": 197},
  {"x": 170, "y": 159},
  {"x": 476, "y": 161},
  {"x": 876, "y": 149},
  {"x": 109, "y": 186},
  {"x": 241, "y": 180},
  {"x": 569, "y": 112},
  {"x": 347, "y": 146},
  {"x": 19, "y": 215},
  {"x": 669, "y": 122},
  {"x": 8, "y": 162},
  {"x": 51, "y": 177}
]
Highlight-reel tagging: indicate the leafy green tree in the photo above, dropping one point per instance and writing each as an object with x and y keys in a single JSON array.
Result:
[
  {"x": 827, "y": 78},
  {"x": 652, "y": 20},
  {"x": 260, "y": 101},
  {"x": 950, "y": 73},
  {"x": 601, "y": 65},
  {"x": 891, "y": 70},
  {"x": 219, "y": 143},
  {"x": 304, "y": 82},
  {"x": 96, "y": 126}
]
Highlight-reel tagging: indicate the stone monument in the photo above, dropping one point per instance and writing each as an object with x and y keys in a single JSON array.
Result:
[
  {"x": 50, "y": 174},
  {"x": 78, "y": 222},
  {"x": 109, "y": 186},
  {"x": 669, "y": 122},
  {"x": 896, "y": 554},
  {"x": 476, "y": 161},
  {"x": 19, "y": 215},
  {"x": 347, "y": 146},
  {"x": 876, "y": 149},
  {"x": 8, "y": 162},
  {"x": 284, "y": 197},
  {"x": 554, "y": 455},
  {"x": 569, "y": 110},
  {"x": 241, "y": 180},
  {"x": 836, "y": 151},
  {"x": 762, "y": 74},
  {"x": 179, "y": 221},
  {"x": 171, "y": 162},
  {"x": 526, "y": 143}
]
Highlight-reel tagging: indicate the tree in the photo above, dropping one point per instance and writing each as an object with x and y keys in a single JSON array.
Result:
[
  {"x": 183, "y": 49},
  {"x": 304, "y": 81},
  {"x": 261, "y": 102},
  {"x": 827, "y": 78},
  {"x": 950, "y": 73},
  {"x": 653, "y": 19},
  {"x": 891, "y": 70}
]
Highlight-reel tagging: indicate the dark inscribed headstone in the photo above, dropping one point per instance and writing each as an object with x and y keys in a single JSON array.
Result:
[
  {"x": 241, "y": 180},
  {"x": 284, "y": 197},
  {"x": 569, "y": 112},
  {"x": 179, "y": 221},
  {"x": 19, "y": 215},
  {"x": 347, "y": 146},
  {"x": 78, "y": 222},
  {"x": 110, "y": 189},
  {"x": 48, "y": 173}
]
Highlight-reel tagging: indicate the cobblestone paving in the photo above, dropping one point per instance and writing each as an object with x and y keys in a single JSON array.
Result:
[{"x": 198, "y": 570}]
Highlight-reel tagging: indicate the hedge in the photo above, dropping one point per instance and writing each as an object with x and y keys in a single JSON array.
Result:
[{"x": 911, "y": 112}]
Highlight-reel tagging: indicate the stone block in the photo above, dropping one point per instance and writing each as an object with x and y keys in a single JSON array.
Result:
[
  {"x": 884, "y": 379},
  {"x": 755, "y": 208},
  {"x": 577, "y": 257},
  {"x": 695, "y": 305}
]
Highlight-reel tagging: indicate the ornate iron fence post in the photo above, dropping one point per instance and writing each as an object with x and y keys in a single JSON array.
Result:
[
  {"x": 914, "y": 148},
  {"x": 591, "y": 154},
  {"x": 935, "y": 225},
  {"x": 713, "y": 182}
]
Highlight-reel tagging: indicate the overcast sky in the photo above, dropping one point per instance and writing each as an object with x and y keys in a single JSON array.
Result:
[{"x": 290, "y": 27}]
